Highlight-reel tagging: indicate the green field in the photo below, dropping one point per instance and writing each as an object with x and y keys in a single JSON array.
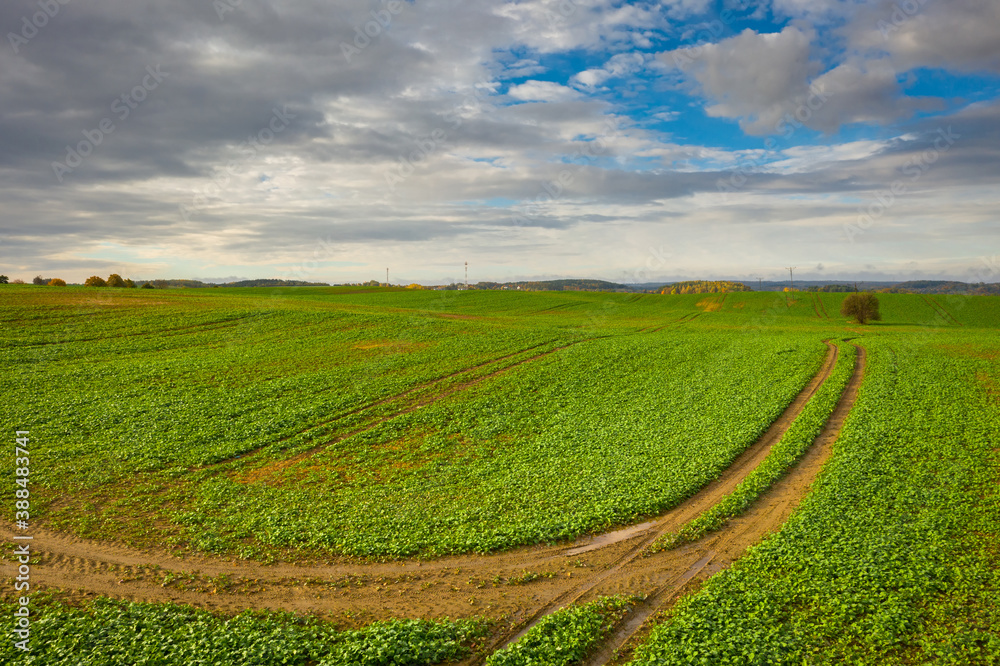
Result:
[
  {"x": 388, "y": 424},
  {"x": 114, "y": 633},
  {"x": 895, "y": 556},
  {"x": 372, "y": 423}
]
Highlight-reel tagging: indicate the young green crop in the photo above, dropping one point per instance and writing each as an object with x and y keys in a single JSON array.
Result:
[
  {"x": 487, "y": 469},
  {"x": 387, "y": 424},
  {"x": 115, "y": 633},
  {"x": 893, "y": 557},
  {"x": 395, "y": 423},
  {"x": 793, "y": 444},
  {"x": 565, "y": 637}
]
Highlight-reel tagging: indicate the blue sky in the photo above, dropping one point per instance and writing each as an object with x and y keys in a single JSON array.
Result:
[{"x": 633, "y": 142}]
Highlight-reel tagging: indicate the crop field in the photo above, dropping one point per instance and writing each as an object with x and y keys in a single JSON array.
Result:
[{"x": 366, "y": 475}]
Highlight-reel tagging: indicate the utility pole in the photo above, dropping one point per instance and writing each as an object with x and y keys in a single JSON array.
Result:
[
  {"x": 466, "y": 275},
  {"x": 387, "y": 276},
  {"x": 791, "y": 276}
]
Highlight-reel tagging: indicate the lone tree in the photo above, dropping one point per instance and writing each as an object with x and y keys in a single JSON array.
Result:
[
  {"x": 115, "y": 280},
  {"x": 57, "y": 282},
  {"x": 39, "y": 280},
  {"x": 862, "y": 306},
  {"x": 3, "y": 279},
  {"x": 95, "y": 281}
]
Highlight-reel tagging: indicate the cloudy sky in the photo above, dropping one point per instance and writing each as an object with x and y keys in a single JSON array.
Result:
[{"x": 632, "y": 141}]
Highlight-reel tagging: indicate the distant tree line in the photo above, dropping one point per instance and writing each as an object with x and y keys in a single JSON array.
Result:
[
  {"x": 114, "y": 281},
  {"x": 833, "y": 288},
  {"x": 41, "y": 281},
  {"x": 198, "y": 284},
  {"x": 944, "y": 287},
  {"x": 117, "y": 281},
  {"x": 704, "y": 287}
]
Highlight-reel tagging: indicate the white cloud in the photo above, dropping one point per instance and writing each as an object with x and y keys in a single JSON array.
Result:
[
  {"x": 542, "y": 91},
  {"x": 816, "y": 10},
  {"x": 561, "y": 25},
  {"x": 621, "y": 64},
  {"x": 802, "y": 159}
]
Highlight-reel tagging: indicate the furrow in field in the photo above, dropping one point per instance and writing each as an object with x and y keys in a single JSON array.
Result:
[{"x": 166, "y": 332}]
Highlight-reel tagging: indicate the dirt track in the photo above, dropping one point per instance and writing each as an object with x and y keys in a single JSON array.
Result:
[
  {"x": 666, "y": 575},
  {"x": 494, "y": 585}
]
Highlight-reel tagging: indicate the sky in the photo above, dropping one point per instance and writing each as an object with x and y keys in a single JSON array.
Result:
[{"x": 625, "y": 141}]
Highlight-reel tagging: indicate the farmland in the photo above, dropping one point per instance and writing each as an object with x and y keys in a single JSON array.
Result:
[{"x": 358, "y": 455}]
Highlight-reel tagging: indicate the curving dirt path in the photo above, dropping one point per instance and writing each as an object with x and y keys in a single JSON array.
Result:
[
  {"x": 667, "y": 575},
  {"x": 522, "y": 584}
]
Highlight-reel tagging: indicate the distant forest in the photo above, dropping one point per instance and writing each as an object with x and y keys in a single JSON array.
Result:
[
  {"x": 943, "y": 287},
  {"x": 684, "y": 287},
  {"x": 704, "y": 287},
  {"x": 198, "y": 284}
]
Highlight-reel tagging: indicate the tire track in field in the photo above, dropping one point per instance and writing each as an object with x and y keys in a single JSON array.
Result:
[
  {"x": 704, "y": 499},
  {"x": 166, "y": 332},
  {"x": 691, "y": 316},
  {"x": 822, "y": 306},
  {"x": 686, "y": 567},
  {"x": 815, "y": 302},
  {"x": 939, "y": 310},
  {"x": 522, "y": 584},
  {"x": 392, "y": 398},
  {"x": 418, "y": 404}
]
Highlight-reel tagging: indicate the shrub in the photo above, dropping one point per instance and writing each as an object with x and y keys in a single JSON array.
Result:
[
  {"x": 115, "y": 280},
  {"x": 862, "y": 306},
  {"x": 56, "y": 282},
  {"x": 95, "y": 281}
]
